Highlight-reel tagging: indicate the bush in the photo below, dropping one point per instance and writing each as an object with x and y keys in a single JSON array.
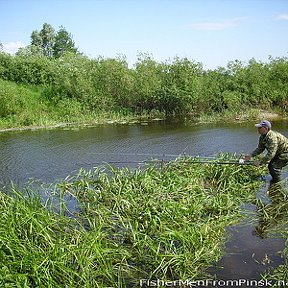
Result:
[{"x": 177, "y": 87}]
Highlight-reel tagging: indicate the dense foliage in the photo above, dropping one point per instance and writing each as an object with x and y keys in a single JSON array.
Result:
[{"x": 177, "y": 87}]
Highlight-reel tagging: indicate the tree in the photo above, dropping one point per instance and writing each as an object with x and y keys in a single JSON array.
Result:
[
  {"x": 44, "y": 39},
  {"x": 36, "y": 39},
  {"x": 51, "y": 44},
  {"x": 63, "y": 43}
]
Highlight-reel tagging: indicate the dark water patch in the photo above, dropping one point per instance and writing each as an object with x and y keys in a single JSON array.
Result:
[{"x": 251, "y": 250}]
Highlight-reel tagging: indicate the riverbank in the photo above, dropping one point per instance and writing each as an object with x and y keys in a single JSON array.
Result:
[
  {"x": 24, "y": 107},
  {"x": 90, "y": 123},
  {"x": 118, "y": 118}
]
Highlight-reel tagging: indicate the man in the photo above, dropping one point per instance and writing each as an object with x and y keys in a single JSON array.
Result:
[{"x": 277, "y": 150}]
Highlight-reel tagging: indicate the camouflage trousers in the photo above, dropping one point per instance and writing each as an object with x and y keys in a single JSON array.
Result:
[{"x": 275, "y": 167}]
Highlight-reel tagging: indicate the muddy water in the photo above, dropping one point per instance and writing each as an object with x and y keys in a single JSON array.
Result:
[{"x": 49, "y": 155}]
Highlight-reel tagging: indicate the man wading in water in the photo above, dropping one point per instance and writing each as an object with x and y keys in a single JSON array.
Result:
[{"x": 277, "y": 150}]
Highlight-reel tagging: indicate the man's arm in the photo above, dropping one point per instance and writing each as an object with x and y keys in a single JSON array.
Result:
[
  {"x": 272, "y": 147},
  {"x": 260, "y": 149}
]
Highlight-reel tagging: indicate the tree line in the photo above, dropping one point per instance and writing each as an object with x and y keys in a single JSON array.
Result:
[{"x": 180, "y": 86}]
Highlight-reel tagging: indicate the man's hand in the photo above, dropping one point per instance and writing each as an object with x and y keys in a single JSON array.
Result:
[{"x": 247, "y": 157}]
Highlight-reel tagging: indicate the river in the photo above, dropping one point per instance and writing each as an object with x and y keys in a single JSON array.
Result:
[
  {"x": 52, "y": 154},
  {"x": 49, "y": 155}
]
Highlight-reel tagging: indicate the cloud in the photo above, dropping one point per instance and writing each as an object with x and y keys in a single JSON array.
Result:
[
  {"x": 282, "y": 17},
  {"x": 12, "y": 47},
  {"x": 217, "y": 25}
]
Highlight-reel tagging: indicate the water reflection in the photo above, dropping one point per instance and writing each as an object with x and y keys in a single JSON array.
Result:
[
  {"x": 272, "y": 216},
  {"x": 255, "y": 245}
]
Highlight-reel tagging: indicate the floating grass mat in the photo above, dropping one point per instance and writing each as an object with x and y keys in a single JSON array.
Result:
[{"x": 159, "y": 222}]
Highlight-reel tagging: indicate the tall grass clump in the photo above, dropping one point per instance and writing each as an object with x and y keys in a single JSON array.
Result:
[
  {"x": 163, "y": 221},
  {"x": 20, "y": 105}
]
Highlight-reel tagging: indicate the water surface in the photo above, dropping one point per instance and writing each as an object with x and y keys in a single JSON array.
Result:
[{"x": 52, "y": 154}]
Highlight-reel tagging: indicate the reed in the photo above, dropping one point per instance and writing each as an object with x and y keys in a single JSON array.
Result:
[{"x": 163, "y": 221}]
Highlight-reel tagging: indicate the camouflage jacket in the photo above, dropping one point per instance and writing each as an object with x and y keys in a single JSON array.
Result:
[{"x": 276, "y": 145}]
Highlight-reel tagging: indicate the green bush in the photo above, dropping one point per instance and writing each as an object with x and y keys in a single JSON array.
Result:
[{"x": 180, "y": 86}]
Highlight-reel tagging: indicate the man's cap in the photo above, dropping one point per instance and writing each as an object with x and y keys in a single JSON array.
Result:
[{"x": 264, "y": 123}]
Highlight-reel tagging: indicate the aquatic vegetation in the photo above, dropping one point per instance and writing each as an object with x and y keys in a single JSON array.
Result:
[{"x": 164, "y": 221}]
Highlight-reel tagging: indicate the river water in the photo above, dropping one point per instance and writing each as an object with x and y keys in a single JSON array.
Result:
[{"x": 49, "y": 155}]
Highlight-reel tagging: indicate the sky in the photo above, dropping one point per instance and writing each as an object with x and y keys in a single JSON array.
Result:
[{"x": 212, "y": 32}]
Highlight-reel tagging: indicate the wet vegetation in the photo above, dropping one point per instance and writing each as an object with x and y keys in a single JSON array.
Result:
[{"x": 162, "y": 221}]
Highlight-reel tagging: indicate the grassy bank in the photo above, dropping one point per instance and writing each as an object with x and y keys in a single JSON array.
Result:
[
  {"x": 39, "y": 91},
  {"x": 26, "y": 108},
  {"x": 163, "y": 221}
]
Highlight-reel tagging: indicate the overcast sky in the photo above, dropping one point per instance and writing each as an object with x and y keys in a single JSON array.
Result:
[{"x": 211, "y": 32}]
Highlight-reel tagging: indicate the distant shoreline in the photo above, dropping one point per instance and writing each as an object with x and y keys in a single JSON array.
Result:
[{"x": 270, "y": 115}]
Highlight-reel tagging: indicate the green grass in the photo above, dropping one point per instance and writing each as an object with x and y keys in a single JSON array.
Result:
[
  {"x": 159, "y": 222},
  {"x": 24, "y": 106}
]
